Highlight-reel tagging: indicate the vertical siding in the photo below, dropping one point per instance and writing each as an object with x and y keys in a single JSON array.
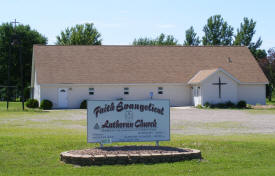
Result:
[
  {"x": 179, "y": 95},
  {"x": 210, "y": 92},
  {"x": 36, "y": 91},
  {"x": 252, "y": 94},
  {"x": 50, "y": 93}
]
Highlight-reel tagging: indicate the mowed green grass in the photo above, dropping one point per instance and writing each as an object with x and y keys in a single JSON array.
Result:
[
  {"x": 14, "y": 106},
  {"x": 30, "y": 144}
]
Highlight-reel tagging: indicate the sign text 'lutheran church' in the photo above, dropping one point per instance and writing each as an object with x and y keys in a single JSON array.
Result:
[{"x": 128, "y": 121}]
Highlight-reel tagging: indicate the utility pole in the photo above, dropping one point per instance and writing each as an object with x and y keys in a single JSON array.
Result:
[
  {"x": 16, "y": 41},
  {"x": 8, "y": 87},
  {"x": 22, "y": 76}
]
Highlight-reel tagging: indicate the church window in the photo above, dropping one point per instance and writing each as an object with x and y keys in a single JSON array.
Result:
[
  {"x": 91, "y": 91},
  {"x": 160, "y": 90},
  {"x": 126, "y": 90}
]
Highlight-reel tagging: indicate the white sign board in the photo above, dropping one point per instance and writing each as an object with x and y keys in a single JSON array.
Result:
[{"x": 128, "y": 121}]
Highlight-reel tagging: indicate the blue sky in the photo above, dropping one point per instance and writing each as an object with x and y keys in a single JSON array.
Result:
[{"x": 120, "y": 21}]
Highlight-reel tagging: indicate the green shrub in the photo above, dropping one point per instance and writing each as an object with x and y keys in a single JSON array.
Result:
[
  {"x": 212, "y": 105},
  {"x": 83, "y": 104},
  {"x": 46, "y": 104},
  {"x": 199, "y": 106},
  {"x": 207, "y": 104},
  {"x": 241, "y": 104},
  {"x": 32, "y": 103},
  {"x": 220, "y": 105},
  {"x": 229, "y": 104}
]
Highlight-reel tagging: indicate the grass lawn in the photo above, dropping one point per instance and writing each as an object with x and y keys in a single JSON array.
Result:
[
  {"x": 30, "y": 144},
  {"x": 14, "y": 106}
]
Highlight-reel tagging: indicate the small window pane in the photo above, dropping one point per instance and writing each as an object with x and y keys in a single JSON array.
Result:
[
  {"x": 126, "y": 90},
  {"x": 160, "y": 90},
  {"x": 91, "y": 91}
]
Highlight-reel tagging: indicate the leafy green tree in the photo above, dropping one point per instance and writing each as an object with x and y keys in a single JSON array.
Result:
[
  {"x": 245, "y": 35},
  {"x": 217, "y": 32},
  {"x": 27, "y": 38},
  {"x": 268, "y": 66},
  {"x": 144, "y": 41},
  {"x": 161, "y": 40},
  {"x": 260, "y": 53},
  {"x": 191, "y": 38},
  {"x": 81, "y": 34}
]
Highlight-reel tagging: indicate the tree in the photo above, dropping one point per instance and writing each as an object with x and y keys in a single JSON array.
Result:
[
  {"x": 191, "y": 38},
  {"x": 259, "y": 54},
  {"x": 217, "y": 32},
  {"x": 161, "y": 40},
  {"x": 268, "y": 66},
  {"x": 271, "y": 70},
  {"x": 27, "y": 37},
  {"x": 245, "y": 35},
  {"x": 81, "y": 34}
]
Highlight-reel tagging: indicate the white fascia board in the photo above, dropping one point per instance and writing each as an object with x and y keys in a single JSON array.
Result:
[
  {"x": 225, "y": 72},
  {"x": 235, "y": 79},
  {"x": 130, "y": 84},
  {"x": 253, "y": 83}
]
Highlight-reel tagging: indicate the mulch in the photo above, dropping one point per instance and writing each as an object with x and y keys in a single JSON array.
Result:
[
  {"x": 114, "y": 150},
  {"x": 263, "y": 107}
]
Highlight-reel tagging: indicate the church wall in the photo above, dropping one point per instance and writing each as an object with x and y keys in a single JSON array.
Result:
[
  {"x": 36, "y": 90},
  {"x": 50, "y": 93},
  {"x": 252, "y": 94},
  {"x": 178, "y": 94},
  {"x": 210, "y": 92}
]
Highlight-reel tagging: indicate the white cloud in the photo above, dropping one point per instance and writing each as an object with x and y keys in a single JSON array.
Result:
[
  {"x": 103, "y": 25},
  {"x": 166, "y": 26}
]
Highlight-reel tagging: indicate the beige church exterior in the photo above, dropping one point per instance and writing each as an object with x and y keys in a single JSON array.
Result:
[{"x": 67, "y": 75}]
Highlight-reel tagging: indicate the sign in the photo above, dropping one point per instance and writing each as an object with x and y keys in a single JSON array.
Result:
[{"x": 128, "y": 121}]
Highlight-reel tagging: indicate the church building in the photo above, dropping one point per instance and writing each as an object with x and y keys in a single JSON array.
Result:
[{"x": 187, "y": 76}]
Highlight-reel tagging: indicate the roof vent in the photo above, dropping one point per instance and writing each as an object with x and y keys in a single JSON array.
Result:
[{"x": 229, "y": 60}]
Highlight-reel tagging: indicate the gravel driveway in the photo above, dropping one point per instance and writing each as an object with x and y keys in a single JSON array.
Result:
[
  {"x": 184, "y": 120},
  {"x": 219, "y": 122}
]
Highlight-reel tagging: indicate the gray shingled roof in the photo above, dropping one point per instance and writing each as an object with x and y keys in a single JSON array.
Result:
[{"x": 140, "y": 64}]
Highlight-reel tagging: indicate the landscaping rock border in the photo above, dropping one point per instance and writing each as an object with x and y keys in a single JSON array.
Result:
[{"x": 85, "y": 158}]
